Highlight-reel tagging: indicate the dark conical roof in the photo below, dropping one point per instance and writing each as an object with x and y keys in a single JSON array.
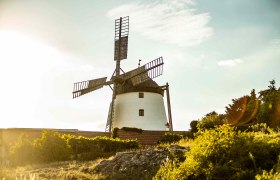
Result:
[{"x": 147, "y": 86}]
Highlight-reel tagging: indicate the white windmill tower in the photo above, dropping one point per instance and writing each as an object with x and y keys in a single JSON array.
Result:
[{"x": 137, "y": 100}]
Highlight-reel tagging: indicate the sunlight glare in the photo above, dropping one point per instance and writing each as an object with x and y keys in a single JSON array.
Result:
[{"x": 23, "y": 63}]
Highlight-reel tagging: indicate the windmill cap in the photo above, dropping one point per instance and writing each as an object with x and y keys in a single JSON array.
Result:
[{"x": 147, "y": 86}]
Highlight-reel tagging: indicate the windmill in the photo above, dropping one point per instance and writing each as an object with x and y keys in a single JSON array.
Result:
[{"x": 129, "y": 88}]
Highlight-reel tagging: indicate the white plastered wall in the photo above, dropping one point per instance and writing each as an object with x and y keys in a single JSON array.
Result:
[{"x": 127, "y": 107}]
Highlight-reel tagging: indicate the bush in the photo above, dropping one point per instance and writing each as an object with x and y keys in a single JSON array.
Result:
[
  {"x": 193, "y": 126},
  {"x": 97, "y": 147},
  {"x": 21, "y": 152},
  {"x": 50, "y": 147},
  {"x": 268, "y": 176},
  {"x": 128, "y": 129},
  {"x": 115, "y": 133},
  {"x": 223, "y": 153},
  {"x": 53, "y": 146},
  {"x": 131, "y": 129},
  {"x": 170, "y": 138},
  {"x": 188, "y": 135},
  {"x": 210, "y": 122}
]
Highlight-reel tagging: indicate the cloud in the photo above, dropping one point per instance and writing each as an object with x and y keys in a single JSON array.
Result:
[
  {"x": 274, "y": 43},
  {"x": 230, "y": 62},
  {"x": 173, "y": 22}
]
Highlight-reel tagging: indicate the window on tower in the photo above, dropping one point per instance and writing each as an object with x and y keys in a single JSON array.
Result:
[
  {"x": 141, "y": 112},
  {"x": 141, "y": 95}
]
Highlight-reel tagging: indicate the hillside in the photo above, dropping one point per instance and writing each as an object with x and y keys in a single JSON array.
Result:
[{"x": 243, "y": 143}]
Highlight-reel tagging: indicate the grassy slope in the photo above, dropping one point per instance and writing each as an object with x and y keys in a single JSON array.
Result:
[{"x": 59, "y": 170}]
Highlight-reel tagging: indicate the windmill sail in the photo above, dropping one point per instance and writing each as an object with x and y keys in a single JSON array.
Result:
[
  {"x": 84, "y": 87},
  {"x": 110, "y": 117},
  {"x": 121, "y": 38},
  {"x": 148, "y": 71}
]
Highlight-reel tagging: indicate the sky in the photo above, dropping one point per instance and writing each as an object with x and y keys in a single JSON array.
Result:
[{"x": 214, "y": 51}]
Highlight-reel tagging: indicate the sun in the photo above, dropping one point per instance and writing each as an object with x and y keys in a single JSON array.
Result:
[{"x": 23, "y": 61}]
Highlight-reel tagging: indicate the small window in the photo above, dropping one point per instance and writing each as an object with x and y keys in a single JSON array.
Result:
[
  {"x": 141, "y": 112},
  {"x": 141, "y": 95}
]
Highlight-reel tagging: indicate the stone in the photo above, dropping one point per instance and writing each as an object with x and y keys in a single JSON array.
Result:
[{"x": 142, "y": 164}]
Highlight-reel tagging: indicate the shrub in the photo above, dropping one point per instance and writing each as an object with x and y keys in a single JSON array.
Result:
[
  {"x": 170, "y": 138},
  {"x": 21, "y": 152},
  {"x": 188, "y": 135},
  {"x": 131, "y": 129},
  {"x": 223, "y": 153},
  {"x": 53, "y": 146},
  {"x": 268, "y": 176},
  {"x": 193, "y": 125},
  {"x": 273, "y": 174},
  {"x": 92, "y": 148},
  {"x": 50, "y": 147},
  {"x": 115, "y": 133},
  {"x": 210, "y": 122}
]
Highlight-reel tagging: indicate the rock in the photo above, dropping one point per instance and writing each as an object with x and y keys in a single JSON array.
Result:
[
  {"x": 138, "y": 164},
  {"x": 133, "y": 165}
]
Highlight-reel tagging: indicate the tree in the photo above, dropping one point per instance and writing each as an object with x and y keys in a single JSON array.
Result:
[
  {"x": 243, "y": 110},
  {"x": 272, "y": 85},
  {"x": 236, "y": 110},
  {"x": 193, "y": 125},
  {"x": 213, "y": 113},
  {"x": 271, "y": 89},
  {"x": 270, "y": 106},
  {"x": 252, "y": 108}
]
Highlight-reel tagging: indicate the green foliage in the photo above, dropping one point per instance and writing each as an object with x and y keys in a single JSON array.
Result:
[
  {"x": 260, "y": 127},
  {"x": 274, "y": 174},
  {"x": 247, "y": 110},
  {"x": 210, "y": 121},
  {"x": 97, "y": 147},
  {"x": 166, "y": 172},
  {"x": 22, "y": 151},
  {"x": 213, "y": 113},
  {"x": 268, "y": 176},
  {"x": 193, "y": 125},
  {"x": 187, "y": 135},
  {"x": 269, "y": 110},
  {"x": 243, "y": 110},
  {"x": 98, "y": 144},
  {"x": 131, "y": 129},
  {"x": 251, "y": 110},
  {"x": 53, "y": 146},
  {"x": 223, "y": 153},
  {"x": 115, "y": 133},
  {"x": 50, "y": 147},
  {"x": 128, "y": 129},
  {"x": 168, "y": 138}
]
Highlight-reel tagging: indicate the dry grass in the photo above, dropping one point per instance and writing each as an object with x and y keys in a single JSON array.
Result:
[
  {"x": 59, "y": 170},
  {"x": 64, "y": 169},
  {"x": 182, "y": 142}
]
